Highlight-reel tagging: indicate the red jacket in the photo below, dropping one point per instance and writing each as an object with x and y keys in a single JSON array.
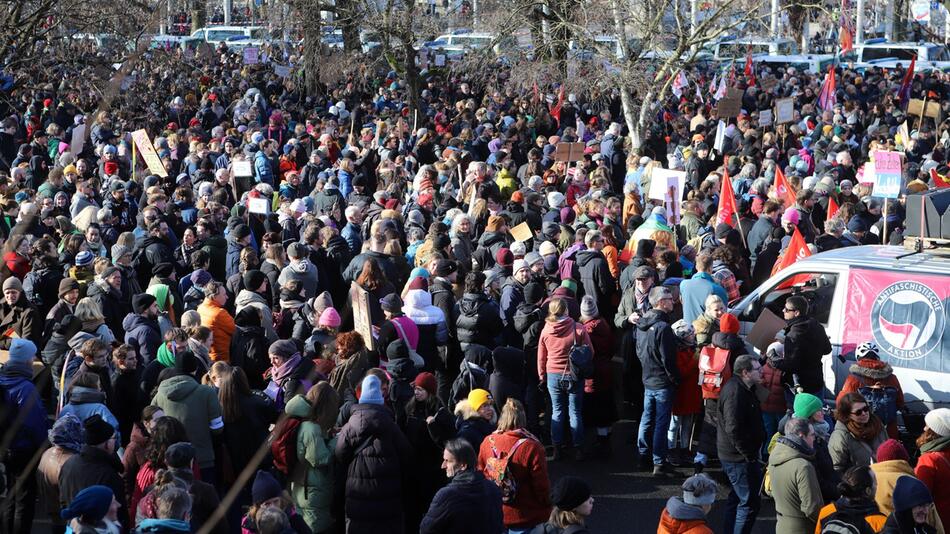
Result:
[
  {"x": 933, "y": 469},
  {"x": 669, "y": 525},
  {"x": 554, "y": 346},
  {"x": 18, "y": 265},
  {"x": 529, "y": 467},
  {"x": 772, "y": 381},
  {"x": 602, "y": 339},
  {"x": 689, "y": 396}
]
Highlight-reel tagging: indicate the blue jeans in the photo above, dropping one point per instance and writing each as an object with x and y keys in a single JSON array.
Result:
[
  {"x": 742, "y": 506},
  {"x": 569, "y": 396},
  {"x": 655, "y": 423}
]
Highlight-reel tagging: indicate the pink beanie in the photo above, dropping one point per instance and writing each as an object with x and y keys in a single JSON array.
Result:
[
  {"x": 790, "y": 215},
  {"x": 330, "y": 318}
]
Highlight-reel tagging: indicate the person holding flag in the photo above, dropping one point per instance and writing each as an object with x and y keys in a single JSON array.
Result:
[
  {"x": 827, "y": 97},
  {"x": 903, "y": 93}
]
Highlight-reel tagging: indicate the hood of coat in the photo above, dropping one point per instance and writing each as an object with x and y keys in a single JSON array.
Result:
[
  {"x": 247, "y": 297},
  {"x": 872, "y": 369},
  {"x": 900, "y": 467},
  {"x": 178, "y": 388},
  {"x": 684, "y": 512},
  {"x": 81, "y": 337},
  {"x": 526, "y": 315},
  {"x": 490, "y": 238},
  {"x": 133, "y": 321},
  {"x": 726, "y": 341},
  {"x": 587, "y": 255},
  {"x": 560, "y": 328},
  {"x": 84, "y": 395},
  {"x": 418, "y": 307},
  {"x": 788, "y": 449},
  {"x": 652, "y": 317},
  {"x": 298, "y": 407},
  {"x": 509, "y": 363},
  {"x": 471, "y": 301}
]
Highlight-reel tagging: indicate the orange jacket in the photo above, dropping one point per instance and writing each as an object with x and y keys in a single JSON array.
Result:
[
  {"x": 222, "y": 328},
  {"x": 670, "y": 525}
]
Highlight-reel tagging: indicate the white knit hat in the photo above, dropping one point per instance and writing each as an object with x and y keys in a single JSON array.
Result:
[{"x": 939, "y": 421}]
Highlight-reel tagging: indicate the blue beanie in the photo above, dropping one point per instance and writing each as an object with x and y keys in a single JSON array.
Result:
[
  {"x": 22, "y": 351},
  {"x": 910, "y": 492},
  {"x": 91, "y": 504},
  {"x": 370, "y": 392},
  {"x": 265, "y": 488}
]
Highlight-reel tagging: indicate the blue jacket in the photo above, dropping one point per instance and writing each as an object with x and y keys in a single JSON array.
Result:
[
  {"x": 263, "y": 171},
  {"x": 351, "y": 234},
  {"x": 346, "y": 183},
  {"x": 693, "y": 293},
  {"x": 85, "y": 402},
  {"x": 143, "y": 334},
  {"x": 20, "y": 392},
  {"x": 233, "y": 262}
]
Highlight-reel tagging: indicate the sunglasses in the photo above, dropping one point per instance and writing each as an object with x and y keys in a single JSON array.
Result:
[
  {"x": 789, "y": 310},
  {"x": 862, "y": 411}
]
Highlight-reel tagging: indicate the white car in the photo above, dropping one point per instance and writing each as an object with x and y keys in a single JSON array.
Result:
[{"x": 215, "y": 35}]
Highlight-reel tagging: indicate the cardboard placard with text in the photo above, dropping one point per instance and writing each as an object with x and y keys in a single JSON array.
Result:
[
  {"x": 784, "y": 110},
  {"x": 730, "y": 105},
  {"x": 522, "y": 232},
  {"x": 568, "y": 152},
  {"x": 147, "y": 150}
]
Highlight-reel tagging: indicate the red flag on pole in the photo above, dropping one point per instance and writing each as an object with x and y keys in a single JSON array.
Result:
[
  {"x": 749, "y": 68},
  {"x": 727, "y": 202},
  {"x": 832, "y": 208},
  {"x": 796, "y": 250},
  {"x": 556, "y": 110},
  {"x": 939, "y": 181},
  {"x": 783, "y": 190}
]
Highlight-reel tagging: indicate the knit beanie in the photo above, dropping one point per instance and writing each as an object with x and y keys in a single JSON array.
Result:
[
  {"x": 504, "y": 257},
  {"x": 806, "y": 405},
  {"x": 570, "y": 492},
  {"x": 910, "y": 492},
  {"x": 534, "y": 293},
  {"x": 141, "y": 302},
  {"x": 66, "y": 285},
  {"x": 477, "y": 398},
  {"x": 426, "y": 381},
  {"x": 892, "y": 449},
  {"x": 91, "y": 503},
  {"x": 371, "y": 391},
  {"x": 22, "y": 351},
  {"x": 728, "y": 324},
  {"x": 12, "y": 283},
  {"x": 265, "y": 487},
  {"x": 939, "y": 421},
  {"x": 98, "y": 431},
  {"x": 589, "y": 307},
  {"x": 253, "y": 279},
  {"x": 699, "y": 490},
  {"x": 180, "y": 455},
  {"x": 284, "y": 348},
  {"x": 67, "y": 433},
  {"x": 84, "y": 258},
  {"x": 547, "y": 248},
  {"x": 330, "y": 318}
]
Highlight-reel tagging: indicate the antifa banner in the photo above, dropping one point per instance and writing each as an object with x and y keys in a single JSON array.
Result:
[{"x": 907, "y": 318}]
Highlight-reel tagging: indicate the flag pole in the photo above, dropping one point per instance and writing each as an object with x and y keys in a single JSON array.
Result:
[{"x": 884, "y": 234}]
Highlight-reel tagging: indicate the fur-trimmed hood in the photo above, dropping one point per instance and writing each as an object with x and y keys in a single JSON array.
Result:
[{"x": 872, "y": 369}]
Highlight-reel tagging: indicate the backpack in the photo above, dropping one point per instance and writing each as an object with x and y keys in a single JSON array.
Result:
[
  {"x": 284, "y": 447},
  {"x": 713, "y": 370},
  {"x": 470, "y": 377},
  {"x": 580, "y": 361},
  {"x": 567, "y": 266},
  {"x": 882, "y": 400},
  {"x": 839, "y": 522},
  {"x": 496, "y": 470}
]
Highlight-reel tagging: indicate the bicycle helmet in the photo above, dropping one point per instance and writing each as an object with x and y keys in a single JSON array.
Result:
[{"x": 868, "y": 349}]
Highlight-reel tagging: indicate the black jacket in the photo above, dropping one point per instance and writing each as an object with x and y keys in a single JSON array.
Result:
[
  {"x": 759, "y": 234},
  {"x": 113, "y": 306},
  {"x": 92, "y": 466},
  {"x": 470, "y": 504},
  {"x": 474, "y": 430},
  {"x": 375, "y": 454},
  {"x": 596, "y": 279},
  {"x": 740, "y": 431},
  {"x": 656, "y": 348},
  {"x": 479, "y": 320},
  {"x": 805, "y": 344},
  {"x": 507, "y": 379},
  {"x": 249, "y": 347},
  {"x": 444, "y": 298}
]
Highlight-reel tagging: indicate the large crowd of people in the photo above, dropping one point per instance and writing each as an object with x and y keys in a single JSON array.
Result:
[{"x": 322, "y": 319}]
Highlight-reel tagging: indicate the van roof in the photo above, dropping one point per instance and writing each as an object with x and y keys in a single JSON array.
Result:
[{"x": 882, "y": 257}]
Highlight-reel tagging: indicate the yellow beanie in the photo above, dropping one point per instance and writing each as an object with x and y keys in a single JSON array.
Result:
[{"x": 477, "y": 398}]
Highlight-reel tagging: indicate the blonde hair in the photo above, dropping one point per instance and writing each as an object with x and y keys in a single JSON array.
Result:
[
  {"x": 565, "y": 518},
  {"x": 88, "y": 310},
  {"x": 557, "y": 308},
  {"x": 512, "y": 416}
]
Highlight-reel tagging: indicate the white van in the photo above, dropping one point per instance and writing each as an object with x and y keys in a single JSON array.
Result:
[
  {"x": 884, "y": 294},
  {"x": 217, "y": 34}
]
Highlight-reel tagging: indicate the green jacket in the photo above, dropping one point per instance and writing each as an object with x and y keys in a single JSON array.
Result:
[
  {"x": 794, "y": 487},
  {"x": 197, "y": 407},
  {"x": 311, "y": 486}
]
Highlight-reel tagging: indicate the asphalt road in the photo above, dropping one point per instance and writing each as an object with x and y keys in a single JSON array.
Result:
[{"x": 627, "y": 500}]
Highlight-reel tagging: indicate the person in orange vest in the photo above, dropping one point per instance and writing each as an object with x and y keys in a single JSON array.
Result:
[{"x": 687, "y": 514}]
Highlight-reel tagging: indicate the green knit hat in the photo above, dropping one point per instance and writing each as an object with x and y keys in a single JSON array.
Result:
[
  {"x": 806, "y": 405},
  {"x": 569, "y": 284}
]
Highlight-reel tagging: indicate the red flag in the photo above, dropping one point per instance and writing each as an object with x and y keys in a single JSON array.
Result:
[
  {"x": 847, "y": 29},
  {"x": 903, "y": 93},
  {"x": 832, "y": 208},
  {"x": 941, "y": 182},
  {"x": 749, "y": 69},
  {"x": 556, "y": 110},
  {"x": 727, "y": 202},
  {"x": 783, "y": 190},
  {"x": 796, "y": 250}
]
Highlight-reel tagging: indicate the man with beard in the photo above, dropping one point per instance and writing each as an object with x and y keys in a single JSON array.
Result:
[
  {"x": 17, "y": 315},
  {"x": 141, "y": 327}
]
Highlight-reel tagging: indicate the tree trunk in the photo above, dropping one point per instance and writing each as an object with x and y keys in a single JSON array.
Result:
[{"x": 630, "y": 117}]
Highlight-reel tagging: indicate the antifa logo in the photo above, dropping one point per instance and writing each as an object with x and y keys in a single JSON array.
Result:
[{"x": 908, "y": 320}]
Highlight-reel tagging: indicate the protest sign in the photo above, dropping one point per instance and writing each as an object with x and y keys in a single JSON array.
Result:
[
  {"x": 252, "y": 55},
  {"x": 440, "y": 60},
  {"x": 784, "y": 110},
  {"x": 147, "y": 150},
  {"x": 720, "y": 137},
  {"x": 668, "y": 186},
  {"x": 730, "y": 105},
  {"x": 261, "y": 206},
  {"x": 765, "y": 117},
  {"x": 522, "y": 232},
  {"x": 242, "y": 169},
  {"x": 362, "y": 322},
  {"x": 916, "y": 107},
  {"x": 282, "y": 70},
  {"x": 78, "y": 140},
  {"x": 568, "y": 151},
  {"x": 887, "y": 172}
]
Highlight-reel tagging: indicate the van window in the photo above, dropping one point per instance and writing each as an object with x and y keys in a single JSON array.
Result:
[
  {"x": 222, "y": 35},
  {"x": 736, "y": 50},
  {"x": 817, "y": 288},
  {"x": 870, "y": 54},
  {"x": 786, "y": 49}
]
